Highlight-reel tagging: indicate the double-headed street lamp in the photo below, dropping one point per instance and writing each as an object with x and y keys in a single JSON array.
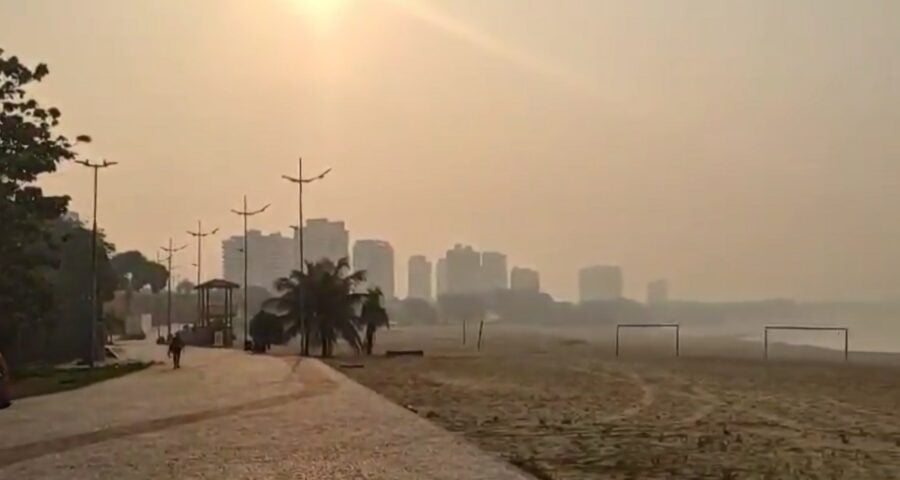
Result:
[
  {"x": 247, "y": 213},
  {"x": 170, "y": 250},
  {"x": 199, "y": 235},
  {"x": 95, "y": 294},
  {"x": 299, "y": 180}
]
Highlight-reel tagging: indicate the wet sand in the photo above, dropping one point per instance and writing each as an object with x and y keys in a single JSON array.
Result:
[{"x": 561, "y": 406}]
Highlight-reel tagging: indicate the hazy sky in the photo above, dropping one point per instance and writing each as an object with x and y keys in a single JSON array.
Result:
[{"x": 740, "y": 149}]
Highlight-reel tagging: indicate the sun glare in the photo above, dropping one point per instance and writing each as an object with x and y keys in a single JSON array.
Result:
[{"x": 321, "y": 13}]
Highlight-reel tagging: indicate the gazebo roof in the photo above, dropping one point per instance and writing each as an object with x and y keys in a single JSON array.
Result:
[{"x": 217, "y": 284}]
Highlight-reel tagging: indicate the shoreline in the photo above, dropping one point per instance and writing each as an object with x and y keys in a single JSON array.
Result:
[{"x": 716, "y": 345}]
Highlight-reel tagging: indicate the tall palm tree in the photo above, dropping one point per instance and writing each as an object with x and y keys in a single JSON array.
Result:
[
  {"x": 326, "y": 294},
  {"x": 373, "y": 316}
]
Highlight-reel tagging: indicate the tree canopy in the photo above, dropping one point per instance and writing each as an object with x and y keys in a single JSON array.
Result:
[
  {"x": 414, "y": 311},
  {"x": 184, "y": 287},
  {"x": 326, "y": 295},
  {"x": 143, "y": 271},
  {"x": 29, "y": 147},
  {"x": 373, "y": 316},
  {"x": 462, "y": 307},
  {"x": 267, "y": 329},
  {"x": 61, "y": 334}
]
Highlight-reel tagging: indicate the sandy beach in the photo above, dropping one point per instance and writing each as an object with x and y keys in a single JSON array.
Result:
[{"x": 560, "y": 404}]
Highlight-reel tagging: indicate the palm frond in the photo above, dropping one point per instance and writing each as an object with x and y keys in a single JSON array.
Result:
[
  {"x": 342, "y": 264},
  {"x": 276, "y": 306},
  {"x": 350, "y": 335},
  {"x": 285, "y": 284},
  {"x": 322, "y": 303}
]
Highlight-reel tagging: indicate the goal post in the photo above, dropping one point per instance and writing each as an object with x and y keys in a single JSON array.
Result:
[
  {"x": 676, "y": 326},
  {"x": 844, "y": 330}
]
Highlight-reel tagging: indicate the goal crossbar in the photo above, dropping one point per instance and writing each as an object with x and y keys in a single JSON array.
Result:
[
  {"x": 808, "y": 328},
  {"x": 676, "y": 326}
]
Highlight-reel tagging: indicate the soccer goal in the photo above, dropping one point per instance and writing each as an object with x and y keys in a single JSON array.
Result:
[
  {"x": 843, "y": 330},
  {"x": 676, "y": 326}
]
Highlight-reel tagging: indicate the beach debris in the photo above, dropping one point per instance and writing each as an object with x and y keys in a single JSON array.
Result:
[
  {"x": 725, "y": 430},
  {"x": 703, "y": 441},
  {"x": 411, "y": 408},
  {"x": 844, "y": 438},
  {"x": 729, "y": 474},
  {"x": 530, "y": 466},
  {"x": 487, "y": 421},
  {"x": 351, "y": 365},
  {"x": 404, "y": 353},
  {"x": 431, "y": 414}
]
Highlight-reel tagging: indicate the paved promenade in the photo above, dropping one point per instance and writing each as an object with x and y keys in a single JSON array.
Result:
[{"x": 229, "y": 415}]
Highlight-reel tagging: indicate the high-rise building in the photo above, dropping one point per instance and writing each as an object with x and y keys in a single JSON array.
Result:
[
  {"x": 494, "y": 275},
  {"x": 419, "y": 278},
  {"x": 324, "y": 239},
  {"x": 233, "y": 259},
  {"x": 271, "y": 257},
  {"x": 440, "y": 277},
  {"x": 463, "y": 270},
  {"x": 657, "y": 292},
  {"x": 525, "y": 279},
  {"x": 600, "y": 282},
  {"x": 274, "y": 256},
  {"x": 376, "y": 257}
]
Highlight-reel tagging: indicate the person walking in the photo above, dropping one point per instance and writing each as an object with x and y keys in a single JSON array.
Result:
[
  {"x": 176, "y": 345},
  {"x": 5, "y": 394}
]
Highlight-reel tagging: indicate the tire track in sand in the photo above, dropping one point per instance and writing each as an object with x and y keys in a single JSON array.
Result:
[
  {"x": 648, "y": 396},
  {"x": 705, "y": 403}
]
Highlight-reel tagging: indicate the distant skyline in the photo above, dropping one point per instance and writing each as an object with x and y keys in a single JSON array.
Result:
[{"x": 743, "y": 149}]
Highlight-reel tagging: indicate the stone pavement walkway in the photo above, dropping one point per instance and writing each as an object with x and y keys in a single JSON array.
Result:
[{"x": 229, "y": 415}]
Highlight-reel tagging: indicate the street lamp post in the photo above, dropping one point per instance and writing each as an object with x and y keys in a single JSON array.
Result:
[
  {"x": 95, "y": 294},
  {"x": 171, "y": 251},
  {"x": 299, "y": 180},
  {"x": 247, "y": 213},
  {"x": 199, "y": 235},
  {"x": 158, "y": 327}
]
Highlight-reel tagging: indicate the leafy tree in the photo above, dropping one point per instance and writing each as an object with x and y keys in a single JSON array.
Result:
[
  {"x": 267, "y": 329},
  {"x": 463, "y": 307},
  {"x": 373, "y": 316},
  {"x": 184, "y": 287},
  {"x": 28, "y": 148},
  {"x": 414, "y": 310},
  {"x": 515, "y": 306},
  {"x": 328, "y": 303},
  {"x": 62, "y": 334},
  {"x": 143, "y": 271}
]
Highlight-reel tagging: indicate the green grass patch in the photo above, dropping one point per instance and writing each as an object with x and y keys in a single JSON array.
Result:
[{"x": 43, "y": 380}]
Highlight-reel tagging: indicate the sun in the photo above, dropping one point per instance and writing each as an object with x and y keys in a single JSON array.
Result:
[{"x": 321, "y": 13}]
